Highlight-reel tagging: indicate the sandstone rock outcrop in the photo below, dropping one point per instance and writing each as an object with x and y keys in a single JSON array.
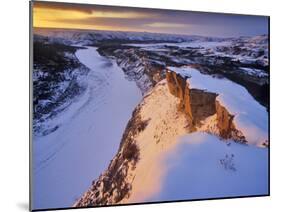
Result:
[
  {"x": 227, "y": 129},
  {"x": 179, "y": 87},
  {"x": 199, "y": 104}
]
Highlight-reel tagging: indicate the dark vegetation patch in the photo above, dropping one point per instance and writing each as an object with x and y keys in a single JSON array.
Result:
[
  {"x": 134, "y": 127},
  {"x": 55, "y": 72},
  {"x": 51, "y": 56},
  {"x": 131, "y": 151}
]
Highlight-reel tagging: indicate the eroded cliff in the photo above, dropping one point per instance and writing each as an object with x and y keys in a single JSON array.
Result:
[{"x": 200, "y": 104}]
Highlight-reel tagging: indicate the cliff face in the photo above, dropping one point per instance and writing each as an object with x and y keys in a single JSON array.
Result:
[
  {"x": 200, "y": 104},
  {"x": 136, "y": 64}
]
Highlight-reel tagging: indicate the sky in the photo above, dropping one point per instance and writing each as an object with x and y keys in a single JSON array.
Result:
[{"x": 96, "y": 17}]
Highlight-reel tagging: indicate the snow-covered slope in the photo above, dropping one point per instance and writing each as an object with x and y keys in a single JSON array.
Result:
[
  {"x": 164, "y": 129},
  {"x": 202, "y": 166},
  {"x": 176, "y": 163}
]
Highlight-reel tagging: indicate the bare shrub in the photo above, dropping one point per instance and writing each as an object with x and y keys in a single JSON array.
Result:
[
  {"x": 228, "y": 162},
  {"x": 131, "y": 151}
]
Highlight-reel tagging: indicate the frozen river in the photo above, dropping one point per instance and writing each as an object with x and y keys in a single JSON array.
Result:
[{"x": 66, "y": 161}]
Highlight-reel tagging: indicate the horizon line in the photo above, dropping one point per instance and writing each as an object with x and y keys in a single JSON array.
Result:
[{"x": 162, "y": 33}]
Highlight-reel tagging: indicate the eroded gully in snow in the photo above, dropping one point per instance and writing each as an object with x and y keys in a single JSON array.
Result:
[{"x": 66, "y": 161}]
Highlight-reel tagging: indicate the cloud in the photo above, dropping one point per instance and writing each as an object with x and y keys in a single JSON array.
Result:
[
  {"x": 63, "y": 6},
  {"x": 166, "y": 25},
  {"x": 94, "y": 10},
  {"x": 87, "y": 16},
  {"x": 56, "y": 15}
]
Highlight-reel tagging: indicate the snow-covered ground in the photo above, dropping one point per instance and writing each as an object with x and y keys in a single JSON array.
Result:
[
  {"x": 202, "y": 166},
  {"x": 252, "y": 50},
  {"x": 66, "y": 161},
  {"x": 254, "y": 72},
  {"x": 250, "y": 117},
  {"x": 192, "y": 44},
  {"x": 87, "y": 37},
  {"x": 176, "y": 164},
  {"x": 166, "y": 124}
]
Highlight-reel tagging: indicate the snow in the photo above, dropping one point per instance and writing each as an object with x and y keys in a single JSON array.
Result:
[
  {"x": 219, "y": 48},
  {"x": 176, "y": 164},
  {"x": 171, "y": 167},
  {"x": 241, "y": 58},
  {"x": 66, "y": 161},
  {"x": 94, "y": 36},
  {"x": 250, "y": 117},
  {"x": 195, "y": 170},
  {"x": 165, "y": 125},
  {"x": 204, "y": 44},
  {"x": 254, "y": 72},
  {"x": 191, "y": 44}
]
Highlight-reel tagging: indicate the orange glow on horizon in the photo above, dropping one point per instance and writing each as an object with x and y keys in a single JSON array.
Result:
[
  {"x": 44, "y": 17},
  {"x": 58, "y": 15}
]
